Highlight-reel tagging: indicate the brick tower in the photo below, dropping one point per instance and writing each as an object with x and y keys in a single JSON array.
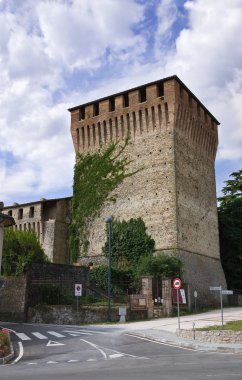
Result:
[{"x": 174, "y": 139}]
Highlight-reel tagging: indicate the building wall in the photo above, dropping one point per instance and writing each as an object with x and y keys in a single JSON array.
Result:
[
  {"x": 50, "y": 220},
  {"x": 174, "y": 140}
]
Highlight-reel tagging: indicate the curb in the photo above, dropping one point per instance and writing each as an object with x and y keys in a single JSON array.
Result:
[
  {"x": 189, "y": 345},
  {"x": 9, "y": 357}
]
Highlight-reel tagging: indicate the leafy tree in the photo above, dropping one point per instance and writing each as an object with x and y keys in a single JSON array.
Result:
[
  {"x": 159, "y": 266},
  {"x": 130, "y": 242},
  {"x": 20, "y": 249},
  {"x": 230, "y": 230}
]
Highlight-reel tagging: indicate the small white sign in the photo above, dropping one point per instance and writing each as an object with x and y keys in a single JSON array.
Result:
[
  {"x": 215, "y": 288},
  {"x": 78, "y": 290},
  {"x": 227, "y": 292},
  {"x": 195, "y": 293}
]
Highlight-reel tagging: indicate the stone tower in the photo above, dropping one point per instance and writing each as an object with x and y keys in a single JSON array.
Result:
[{"x": 174, "y": 139}]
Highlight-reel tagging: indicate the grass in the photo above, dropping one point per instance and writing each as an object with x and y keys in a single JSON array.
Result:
[
  {"x": 235, "y": 325},
  {"x": 4, "y": 344}
]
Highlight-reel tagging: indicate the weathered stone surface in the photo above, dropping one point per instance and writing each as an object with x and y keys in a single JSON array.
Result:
[
  {"x": 174, "y": 140},
  {"x": 214, "y": 336}
]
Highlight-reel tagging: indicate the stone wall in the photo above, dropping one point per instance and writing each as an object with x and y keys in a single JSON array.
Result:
[
  {"x": 50, "y": 220},
  {"x": 85, "y": 315},
  {"x": 174, "y": 141},
  {"x": 13, "y": 299},
  {"x": 212, "y": 336}
]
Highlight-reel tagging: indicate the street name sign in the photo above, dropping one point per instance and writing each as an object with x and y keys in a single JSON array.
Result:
[{"x": 227, "y": 292}]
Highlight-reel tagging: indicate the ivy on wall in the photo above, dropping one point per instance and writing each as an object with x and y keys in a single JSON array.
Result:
[{"x": 96, "y": 175}]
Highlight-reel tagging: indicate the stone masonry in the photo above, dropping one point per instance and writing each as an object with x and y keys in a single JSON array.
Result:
[
  {"x": 174, "y": 139},
  {"x": 50, "y": 220}
]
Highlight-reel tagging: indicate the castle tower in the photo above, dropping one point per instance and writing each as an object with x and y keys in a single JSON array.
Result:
[{"x": 174, "y": 139}]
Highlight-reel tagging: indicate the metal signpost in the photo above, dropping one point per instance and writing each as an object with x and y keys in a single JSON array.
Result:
[
  {"x": 222, "y": 292},
  {"x": 177, "y": 285},
  {"x": 78, "y": 293}
]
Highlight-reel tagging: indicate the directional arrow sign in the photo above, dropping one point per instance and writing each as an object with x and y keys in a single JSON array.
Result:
[{"x": 52, "y": 343}]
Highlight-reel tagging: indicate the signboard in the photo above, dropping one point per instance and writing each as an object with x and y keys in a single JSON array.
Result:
[
  {"x": 78, "y": 290},
  {"x": 214, "y": 287},
  {"x": 181, "y": 296},
  {"x": 138, "y": 302},
  {"x": 227, "y": 292},
  {"x": 195, "y": 294},
  {"x": 177, "y": 283}
]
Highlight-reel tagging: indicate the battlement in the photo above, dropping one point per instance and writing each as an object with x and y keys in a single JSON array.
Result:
[{"x": 147, "y": 109}]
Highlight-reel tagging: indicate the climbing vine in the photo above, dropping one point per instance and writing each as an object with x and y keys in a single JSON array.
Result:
[{"x": 96, "y": 175}]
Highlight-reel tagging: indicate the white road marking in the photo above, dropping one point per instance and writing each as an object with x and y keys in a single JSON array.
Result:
[
  {"x": 39, "y": 335},
  {"x": 21, "y": 352},
  {"x": 51, "y": 343},
  {"x": 31, "y": 363},
  {"x": 72, "y": 361},
  {"x": 161, "y": 343},
  {"x": 96, "y": 347},
  {"x": 54, "y": 333},
  {"x": 114, "y": 356},
  {"x": 51, "y": 362},
  {"x": 77, "y": 333},
  {"x": 23, "y": 336}
]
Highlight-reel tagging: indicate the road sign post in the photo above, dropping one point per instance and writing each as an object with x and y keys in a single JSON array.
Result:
[
  {"x": 222, "y": 292},
  {"x": 78, "y": 293},
  {"x": 176, "y": 285}
]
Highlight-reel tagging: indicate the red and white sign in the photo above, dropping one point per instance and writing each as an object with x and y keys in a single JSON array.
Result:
[{"x": 177, "y": 283}]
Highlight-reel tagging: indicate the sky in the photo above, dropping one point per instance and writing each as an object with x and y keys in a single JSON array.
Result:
[{"x": 56, "y": 54}]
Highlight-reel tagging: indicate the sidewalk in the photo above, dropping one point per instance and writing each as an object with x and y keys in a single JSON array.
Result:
[{"x": 164, "y": 330}]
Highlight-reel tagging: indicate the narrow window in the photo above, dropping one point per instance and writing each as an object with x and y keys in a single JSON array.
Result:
[
  {"x": 29, "y": 226},
  {"x": 24, "y": 227},
  {"x": 20, "y": 227},
  {"x": 126, "y": 99},
  {"x": 112, "y": 104},
  {"x": 78, "y": 139},
  {"x": 111, "y": 129},
  {"x": 153, "y": 117},
  {"x": 20, "y": 213},
  {"x": 83, "y": 137},
  {"x": 34, "y": 226},
  {"x": 94, "y": 134},
  {"x": 82, "y": 113},
  {"x": 142, "y": 94},
  {"x": 128, "y": 123},
  {"x": 122, "y": 126},
  {"x": 159, "y": 115},
  {"x": 95, "y": 109},
  {"x": 160, "y": 89},
  {"x": 134, "y": 123},
  {"x": 31, "y": 212},
  {"x": 147, "y": 119},
  {"x": 140, "y": 122},
  {"x": 99, "y": 133},
  {"x": 38, "y": 230},
  {"x": 105, "y": 131},
  {"x": 10, "y": 213},
  {"x": 167, "y": 113},
  {"x": 88, "y": 136},
  {"x": 116, "y": 127}
]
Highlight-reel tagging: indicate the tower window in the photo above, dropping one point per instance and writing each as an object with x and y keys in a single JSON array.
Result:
[
  {"x": 82, "y": 113},
  {"x": 10, "y": 213},
  {"x": 160, "y": 89},
  {"x": 142, "y": 94},
  {"x": 95, "y": 109},
  {"x": 31, "y": 212},
  {"x": 126, "y": 99},
  {"x": 111, "y": 104},
  {"x": 20, "y": 213}
]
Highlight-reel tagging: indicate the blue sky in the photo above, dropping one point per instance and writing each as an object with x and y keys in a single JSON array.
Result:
[{"x": 55, "y": 54}]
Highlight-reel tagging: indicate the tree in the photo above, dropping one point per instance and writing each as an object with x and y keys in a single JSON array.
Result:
[
  {"x": 230, "y": 230},
  {"x": 20, "y": 249},
  {"x": 130, "y": 242}
]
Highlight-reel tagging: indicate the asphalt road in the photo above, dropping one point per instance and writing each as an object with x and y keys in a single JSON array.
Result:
[{"x": 63, "y": 352}]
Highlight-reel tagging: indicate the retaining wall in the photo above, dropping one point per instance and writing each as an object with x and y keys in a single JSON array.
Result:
[{"x": 213, "y": 336}]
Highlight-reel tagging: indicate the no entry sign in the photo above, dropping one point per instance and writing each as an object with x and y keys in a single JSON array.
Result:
[{"x": 177, "y": 283}]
